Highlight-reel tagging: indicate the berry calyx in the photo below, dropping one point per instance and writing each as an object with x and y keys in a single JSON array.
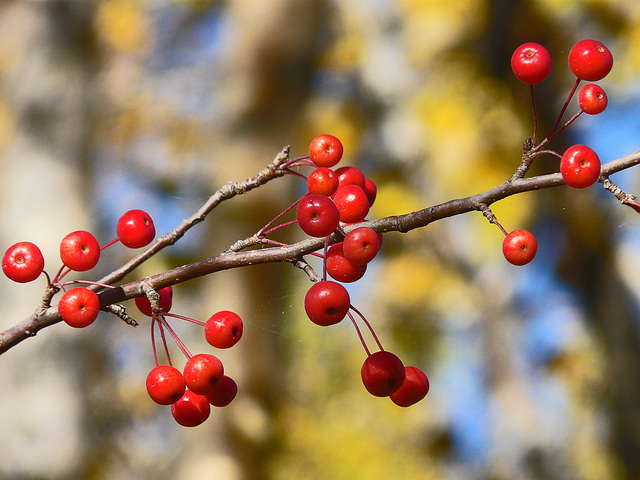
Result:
[
  {"x": 592, "y": 99},
  {"x": 223, "y": 393},
  {"x": 165, "y": 384},
  {"x": 80, "y": 251},
  {"x": 202, "y": 372},
  {"x": 317, "y": 215},
  {"x": 325, "y": 150},
  {"x": 580, "y": 166},
  {"x": 79, "y": 307},
  {"x": 352, "y": 203},
  {"x": 326, "y": 303},
  {"x": 191, "y": 410},
  {"x": 223, "y": 329},
  {"x": 323, "y": 181},
  {"x": 135, "y": 229},
  {"x": 414, "y": 388},
  {"x": 166, "y": 299},
  {"x": 23, "y": 262},
  {"x": 340, "y": 268},
  {"x": 361, "y": 245},
  {"x": 590, "y": 60},
  {"x": 531, "y": 63},
  {"x": 382, "y": 373},
  {"x": 519, "y": 247}
]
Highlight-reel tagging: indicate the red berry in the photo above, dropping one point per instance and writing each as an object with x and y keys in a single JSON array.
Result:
[
  {"x": 592, "y": 99},
  {"x": 317, "y": 215},
  {"x": 135, "y": 229},
  {"x": 191, "y": 410},
  {"x": 323, "y": 181},
  {"x": 531, "y": 63},
  {"x": 414, "y": 388},
  {"x": 351, "y": 176},
  {"x": 165, "y": 384},
  {"x": 80, "y": 251},
  {"x": 382, "y": 373},
  {"x": 223, "y": 329},
  {"x": 23, "y": 262},
  {"x": 79, "y": 307},
  {"x": 340, "y": 268},
  {"x": 352, "y": 203},
  {"x": 590, "y": 60},
  {"x": 519, "y": 247},
  {"x": 580, "y": 166},
  {"x": 202, "y": 372},
  {"x": 325, "y": 150},
  {"x": 223, "y": 393},
  {"x": 361, "y": 245},
  {"x": 326, "y": 303},
  {"x": 166, "y": 299},
  {"x": 371, "y": 190}
]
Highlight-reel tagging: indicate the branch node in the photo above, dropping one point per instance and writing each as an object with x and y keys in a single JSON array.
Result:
[{"x": 120, "y": 312}]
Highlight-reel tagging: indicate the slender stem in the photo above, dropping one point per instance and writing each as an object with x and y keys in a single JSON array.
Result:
[
  {"x": 535, "y": 115},
  {"x": 364, "y": 344},
  {"x": 373, "y": 333},
  {"x": 175, "y": 337},
  {"x": 112, "y": 242},
  {"x": 564, "y": 108},
  {"x": 181, "y": 317}
]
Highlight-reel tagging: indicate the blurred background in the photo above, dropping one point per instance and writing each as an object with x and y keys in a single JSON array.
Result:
[{"x": 109, "y": 105}]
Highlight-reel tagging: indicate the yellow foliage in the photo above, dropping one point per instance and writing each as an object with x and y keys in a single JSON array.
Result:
[{"x": 123, "y": 26}]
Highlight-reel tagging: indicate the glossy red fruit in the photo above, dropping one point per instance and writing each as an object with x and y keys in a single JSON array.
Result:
[
  {"x": 519, "y": 247},
  {"x": 223, "y": 329},
  {"x": 80, "y": 251},
  {"x": 352, "y": 203},
  {"x": 326, "y": 303},
  {"x": 23, "y": 262},
  {"x": 351, "y": 176},
  {"x": 224, "y": 392},
  {"x": 317, "y": 215},
  {"x": 382, "y": 373},
  {"x": 191, "y": 410},
  {"x": 135, "y": 229},
  {"x": 592, "y": 99},
  {"x": 414, "y": 388},
  {"x": 340, "y": 268},
  {"x": 580, "y": 166},
  {"x": 323, "y": 181},
  {"x": 202, "y": 372},
  {"x": 166, "y": 299},
  {"x": 361, "y": 245},
  {"x": 165, "y": 384},
  {"x": 531, "y": 63},
  {"x": 371, "y": 190},
  {"x": 590, "y": 60},
  {"x": 79, "y": 307},
  {"x": 325, "y": 150}
]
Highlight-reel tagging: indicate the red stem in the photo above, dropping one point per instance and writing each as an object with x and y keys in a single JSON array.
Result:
[{"x": 353, "y": 320}]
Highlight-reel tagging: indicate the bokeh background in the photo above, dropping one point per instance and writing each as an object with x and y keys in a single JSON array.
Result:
[{"x": 108, "y": 105}]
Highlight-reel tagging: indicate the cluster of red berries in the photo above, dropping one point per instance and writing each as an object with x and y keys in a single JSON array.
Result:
[
  {"x": 580, "y": 166},
  {"x": 202, "y": 382},
  {"x": 334, "y": 200}
]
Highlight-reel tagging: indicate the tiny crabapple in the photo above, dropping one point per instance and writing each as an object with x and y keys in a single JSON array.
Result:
[
  {"x": 592, "y": 99},
  {"x": 317, "y": 215},
  {"x": 531, "y": 63},
  {"x": 382, "y": 373},
  {"x": 165, "y": 384},
  {"x": 223, "y": 393},
  {"x": 79, "y": 307},
  {"x": 323, "y": 181},
  {"x": 351, "y": 176},
  {"x": 23, "y": 262},
  {"x": 202, "y": 372},
  {"x": 590, "y": 60},
  {"x": 361, "y": 245},
  {"x": 414, "y": 388},
  {"x": 223, "y": 329},
  {"x": 519, "y": 247},
  {"x": 326, "y": 303},
  {"x": 80, "y": 251},
  {"x": 166, "y": 299},
  {"x": 352, "y": 203},
  {"x": 325, "y": 150},
  {"x": 340, "y": 268},
  {"x": 580, "y": 166},
  {"x": 135, "y": 229},
  {"x": 191, "y": 410}
]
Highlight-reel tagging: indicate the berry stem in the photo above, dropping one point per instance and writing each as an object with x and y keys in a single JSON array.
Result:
[
  {"x": 174, "y": 335},
  {"x": 268, "y": 229},
  {"x": 564, "y": 108},
  {"x": 488, "y": 213},
  {"x": 364, "y": 344},
  {"x": 182, "y": 317},
  {"x": 535, "y": 115},
  {"x": 85, "y": 282},
  {"x": 366, "y": 322},
  {"x": 115, "y": 240}
]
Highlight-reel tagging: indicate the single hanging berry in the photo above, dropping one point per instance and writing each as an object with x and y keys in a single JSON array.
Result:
[
  {"x": 531, "y": 63},
  {"x": 223, "y": 329},
  {"x": 79, "y": 307},
  {"x": 165, "y": 384},
  {"x": 580, "y": 166},
  {"x": 23, "y": 262},
  {"x": 519, "y": 247},
  {"x": 414, "y": 388},
  {"x": 80, "y": 251},
  {"x": 325, "y": 150},
  {"x": 135, "y": 229},
  {"x": 382, "y": 373},
  {"x": 590, "y": 60},
  {"x": 191, "y": 410}
]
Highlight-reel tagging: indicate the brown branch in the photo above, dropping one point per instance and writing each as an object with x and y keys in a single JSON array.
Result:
[{"x": 293, "y": 253}]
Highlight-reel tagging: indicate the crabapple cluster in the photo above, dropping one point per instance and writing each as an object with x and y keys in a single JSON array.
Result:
[{"x": 579, "y": 165}]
